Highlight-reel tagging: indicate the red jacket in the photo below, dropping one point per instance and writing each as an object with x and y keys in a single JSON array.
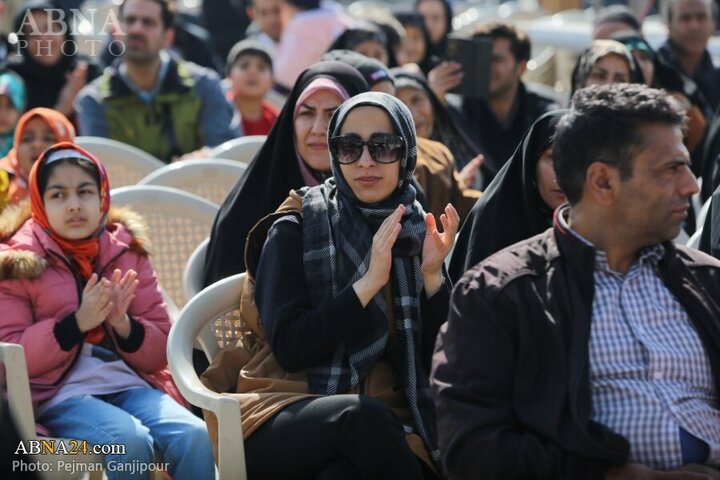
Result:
[{"x": 38, "y": 290}]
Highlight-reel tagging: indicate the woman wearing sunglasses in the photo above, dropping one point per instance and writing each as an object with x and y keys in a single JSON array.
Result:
[
  {"x": 344, "y": 273},
  {"x": 294, "y": 155}
]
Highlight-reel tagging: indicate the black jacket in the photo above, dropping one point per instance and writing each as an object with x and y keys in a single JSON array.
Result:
[
  {"x": 511, "y": 370},
  {"x": 496, "y": 141}
]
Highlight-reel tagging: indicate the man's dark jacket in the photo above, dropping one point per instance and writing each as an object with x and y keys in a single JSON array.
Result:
[{"x": 511, "y": 370}]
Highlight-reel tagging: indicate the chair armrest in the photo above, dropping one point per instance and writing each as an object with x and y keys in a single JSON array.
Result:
[
  {"x": 231, "y": 452},
  {"x": 18, "y": 387}
]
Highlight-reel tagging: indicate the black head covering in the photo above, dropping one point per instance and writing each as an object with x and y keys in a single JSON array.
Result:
[
  {"x": 444, "y": 129},
  {"x": 269, "y": 178},
  {"x": 511, "y": 209},
  {"x": 438, "y": 49},
  {"x": 414, "y": 19},
  {"x": 367, "y": 32},
  {"x": 44, "y": 82},
  {"x": 372, "y": 70},
  {"x": 620, "y": 14}
]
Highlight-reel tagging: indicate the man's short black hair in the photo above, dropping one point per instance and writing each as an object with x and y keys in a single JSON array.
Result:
[
  {"x": 604, "y": 125},
  {"x": 304, "y": 4},
  {"x": 619, "y": 14},
  {"x": 167, "y": 12},
  {"x": 519, "y": 41}
]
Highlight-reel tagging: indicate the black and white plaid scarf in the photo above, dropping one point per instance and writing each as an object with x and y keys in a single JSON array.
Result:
[{"x": 337, "y": 241}]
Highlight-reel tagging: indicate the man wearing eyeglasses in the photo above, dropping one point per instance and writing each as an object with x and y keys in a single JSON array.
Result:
[
  {"x": 152, "y": 100},
  {"x": 592, "y": 350}
]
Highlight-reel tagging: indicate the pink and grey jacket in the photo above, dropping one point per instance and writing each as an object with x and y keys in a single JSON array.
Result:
[{"x": 39, "y": 295}]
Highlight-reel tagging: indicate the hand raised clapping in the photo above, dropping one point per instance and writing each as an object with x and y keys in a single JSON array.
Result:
[
  {"x": 378, "y": 272},
  {"x": 122, "y": 291},
  {"x": 95, "y": 304}
]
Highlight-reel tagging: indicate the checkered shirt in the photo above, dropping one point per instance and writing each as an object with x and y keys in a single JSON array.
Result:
[{"x": 648, "y": 369}]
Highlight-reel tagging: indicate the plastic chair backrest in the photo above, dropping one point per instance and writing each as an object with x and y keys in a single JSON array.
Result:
[
  {"x": 210, "y": 178},
  {"x": 193, "y": 273},
  {"x": 126, "y": 165},
  {"x": 177, "y": 223},
  {"x": 241, "y": 149}
]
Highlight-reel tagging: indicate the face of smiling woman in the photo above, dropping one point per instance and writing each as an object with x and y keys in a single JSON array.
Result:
[{"x": 370, "y": 181}]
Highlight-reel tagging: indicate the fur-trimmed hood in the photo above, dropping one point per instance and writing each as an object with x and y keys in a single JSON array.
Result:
[{"x": 23, "y": 256}]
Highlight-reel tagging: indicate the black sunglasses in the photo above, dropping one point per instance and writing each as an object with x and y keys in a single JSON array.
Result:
[{"x": 383, "y": 147}]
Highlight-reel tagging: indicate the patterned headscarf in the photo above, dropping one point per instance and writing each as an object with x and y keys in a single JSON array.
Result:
[
  {"x": 590, "y": 56},
  {"x": 338, "y": 231}
]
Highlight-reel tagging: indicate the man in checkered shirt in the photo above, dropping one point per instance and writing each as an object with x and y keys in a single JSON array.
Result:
[{"x": 592, "y": 350}]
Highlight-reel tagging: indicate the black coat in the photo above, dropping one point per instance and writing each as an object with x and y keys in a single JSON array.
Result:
[
  {"x": 498, "y": 141},
  {"x": 511, "y": 368},
  {"x": 511, "y": 209}
]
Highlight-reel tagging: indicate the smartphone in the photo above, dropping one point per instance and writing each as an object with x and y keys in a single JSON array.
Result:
[{"x": 474, "y": 54}]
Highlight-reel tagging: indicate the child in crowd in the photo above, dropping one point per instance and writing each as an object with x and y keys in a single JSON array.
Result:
[
  {"x": 78, "y": 292},
  {"x": 250, "y": 70},
  {"x": 13, "y": 99},
  {"x": 36, "y": 130}
]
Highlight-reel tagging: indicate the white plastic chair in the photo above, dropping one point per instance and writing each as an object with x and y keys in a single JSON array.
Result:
[
  {"x": 213, "y": 318},
  {"x": 126, "y": 165},
  {"x": 193, "y": 272},
  {"x": 210, "y": 178},
  {"x": 177, "y": 222},
  {"x": 694, "y": 241},
  {"x": 12, "y": 356},
  {"x": 241, "y": 149}
]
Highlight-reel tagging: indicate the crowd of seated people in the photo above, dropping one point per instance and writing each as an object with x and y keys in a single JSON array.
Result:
[{"x": 441, "y": 286}]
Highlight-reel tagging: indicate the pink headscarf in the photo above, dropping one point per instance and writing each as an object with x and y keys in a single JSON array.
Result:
[{"x": 315, "y": 86}]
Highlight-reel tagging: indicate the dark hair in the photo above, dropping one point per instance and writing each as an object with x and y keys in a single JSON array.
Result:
[
  {"x": 352, "y": 37},
  {"x": 666, "y": 9},
  {"x": 519, "y": 41},
  {"x": 304, "y": 4},
  {"x": 43, "y": 174},
  {"x": 448, "y": 13},
  {"x": 167, "y": 11},
  {"x": 604, "y": 125},
  {"x": 372, "y": 70},
  {"x": 415, "y": 20},
  {"x": 618, "y": 14},
  {"x": 51, "y": 7}
]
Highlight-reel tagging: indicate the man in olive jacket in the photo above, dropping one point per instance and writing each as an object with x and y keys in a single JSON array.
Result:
[{"x": 592, "y": 350}]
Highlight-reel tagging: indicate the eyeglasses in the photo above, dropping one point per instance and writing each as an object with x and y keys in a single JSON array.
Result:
[{"x": 383, "y": 147}]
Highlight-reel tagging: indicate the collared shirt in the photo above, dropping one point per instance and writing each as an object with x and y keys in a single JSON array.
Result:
[{"x": 649, "y": 373}]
